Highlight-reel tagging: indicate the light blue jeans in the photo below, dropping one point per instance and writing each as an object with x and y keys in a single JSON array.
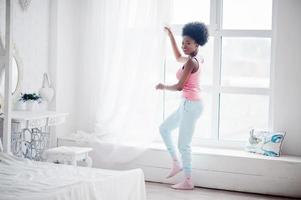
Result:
[{"x": 184, "y": 118}]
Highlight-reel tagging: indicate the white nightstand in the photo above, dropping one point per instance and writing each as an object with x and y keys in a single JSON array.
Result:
[
  {"x": 69, "y": 155},
  {"x": 30, "y": 132}
]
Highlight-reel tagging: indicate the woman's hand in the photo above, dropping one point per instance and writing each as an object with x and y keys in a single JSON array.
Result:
[
  {"x": 167, "y": 29},
  {"x": 160, "y": 86}
]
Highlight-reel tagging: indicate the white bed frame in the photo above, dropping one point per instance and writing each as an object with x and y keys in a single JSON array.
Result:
[{"x": 6, "y": 59}]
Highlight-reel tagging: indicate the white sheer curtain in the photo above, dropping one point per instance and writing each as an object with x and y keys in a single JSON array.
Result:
[{"x": 122, "y": 59}]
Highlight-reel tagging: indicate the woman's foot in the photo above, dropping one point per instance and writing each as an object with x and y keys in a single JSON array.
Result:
[
  {"x": 184, "y": 185},
  {"x": 176, "y": 168}
]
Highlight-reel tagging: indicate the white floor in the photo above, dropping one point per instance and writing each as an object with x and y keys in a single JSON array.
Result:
[{"x": 157, "y": 191}]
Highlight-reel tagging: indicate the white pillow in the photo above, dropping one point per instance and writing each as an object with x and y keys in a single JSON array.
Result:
[{"x": 265, "y": 142}]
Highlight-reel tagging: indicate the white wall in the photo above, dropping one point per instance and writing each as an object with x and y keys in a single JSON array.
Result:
[
  {"x": 46, "y": 40},
  {"x": 31, "y": 36},
  {"x": 287, "y": 83},
  {"x": 67, "y": 23},
  {"x": 46, "y": 37},
  {"x": 64, "y": 43}
]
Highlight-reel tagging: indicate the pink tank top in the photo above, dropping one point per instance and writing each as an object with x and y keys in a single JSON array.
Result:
[{"x": 191, "y": 89}]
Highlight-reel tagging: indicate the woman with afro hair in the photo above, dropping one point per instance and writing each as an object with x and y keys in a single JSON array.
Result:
[{"x": 195, "y": 34}]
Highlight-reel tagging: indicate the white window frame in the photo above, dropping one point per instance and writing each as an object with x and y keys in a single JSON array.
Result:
[{"x": 216, "y": 31}]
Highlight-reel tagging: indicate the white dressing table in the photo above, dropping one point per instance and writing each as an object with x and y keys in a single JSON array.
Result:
[{"x": 31, "y": 132}]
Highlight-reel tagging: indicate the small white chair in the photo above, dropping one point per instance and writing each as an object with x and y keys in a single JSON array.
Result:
[{"x": 69, "y": 155}]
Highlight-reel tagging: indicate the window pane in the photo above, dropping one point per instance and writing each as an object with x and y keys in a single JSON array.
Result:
[
  {"x": 247, "y": 14},
  {"x": 239, "y": 113},
  {"x": 246, "y": 62},
  {"x": 191, "y": 10},
  {"x": 207, "y": 54}
]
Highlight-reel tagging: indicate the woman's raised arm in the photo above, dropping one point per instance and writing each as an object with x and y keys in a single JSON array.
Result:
[{"x": 176, "y": 51}]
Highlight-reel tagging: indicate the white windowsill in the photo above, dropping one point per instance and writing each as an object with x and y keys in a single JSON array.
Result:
[
  {"x": 231, "y": 153},
  {"x": 214, "y": 151}
]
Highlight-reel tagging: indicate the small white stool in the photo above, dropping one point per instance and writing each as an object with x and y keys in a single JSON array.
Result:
[{"x": 69, "y": 155}]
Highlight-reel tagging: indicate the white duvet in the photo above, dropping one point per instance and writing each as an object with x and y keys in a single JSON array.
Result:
[{"x": 28, "y": 180}]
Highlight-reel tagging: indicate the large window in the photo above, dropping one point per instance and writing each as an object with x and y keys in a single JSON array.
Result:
[{"x": 235, "y": 83}]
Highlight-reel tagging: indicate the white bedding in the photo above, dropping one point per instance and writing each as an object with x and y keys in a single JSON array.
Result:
[{"x": 28, "y": 180}]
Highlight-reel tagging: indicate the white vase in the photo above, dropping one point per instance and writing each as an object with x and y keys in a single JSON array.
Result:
[
  {"x": 46, "y": 92},
  {"x": 43, "y": 106},
  {"x": 32, "y": 105},
  {"x": 20, "y": 105}
]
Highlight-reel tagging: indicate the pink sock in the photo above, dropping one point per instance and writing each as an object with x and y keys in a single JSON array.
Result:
[
  {"x": 176, "y": 168},
  {"x": 187, "y": 184}
]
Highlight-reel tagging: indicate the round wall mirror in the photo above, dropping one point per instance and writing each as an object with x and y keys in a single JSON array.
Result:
[{"x": 16, "y": 77}]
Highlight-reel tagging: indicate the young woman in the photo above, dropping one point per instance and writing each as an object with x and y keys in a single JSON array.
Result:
[{"x": 194, "y": 34}]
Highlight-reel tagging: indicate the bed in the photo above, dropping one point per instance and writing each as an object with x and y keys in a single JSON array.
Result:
[{"x": 30, "y": 180}]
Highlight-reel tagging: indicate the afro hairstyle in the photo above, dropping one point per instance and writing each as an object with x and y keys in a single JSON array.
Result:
[{"x": 198, "y": 31}]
